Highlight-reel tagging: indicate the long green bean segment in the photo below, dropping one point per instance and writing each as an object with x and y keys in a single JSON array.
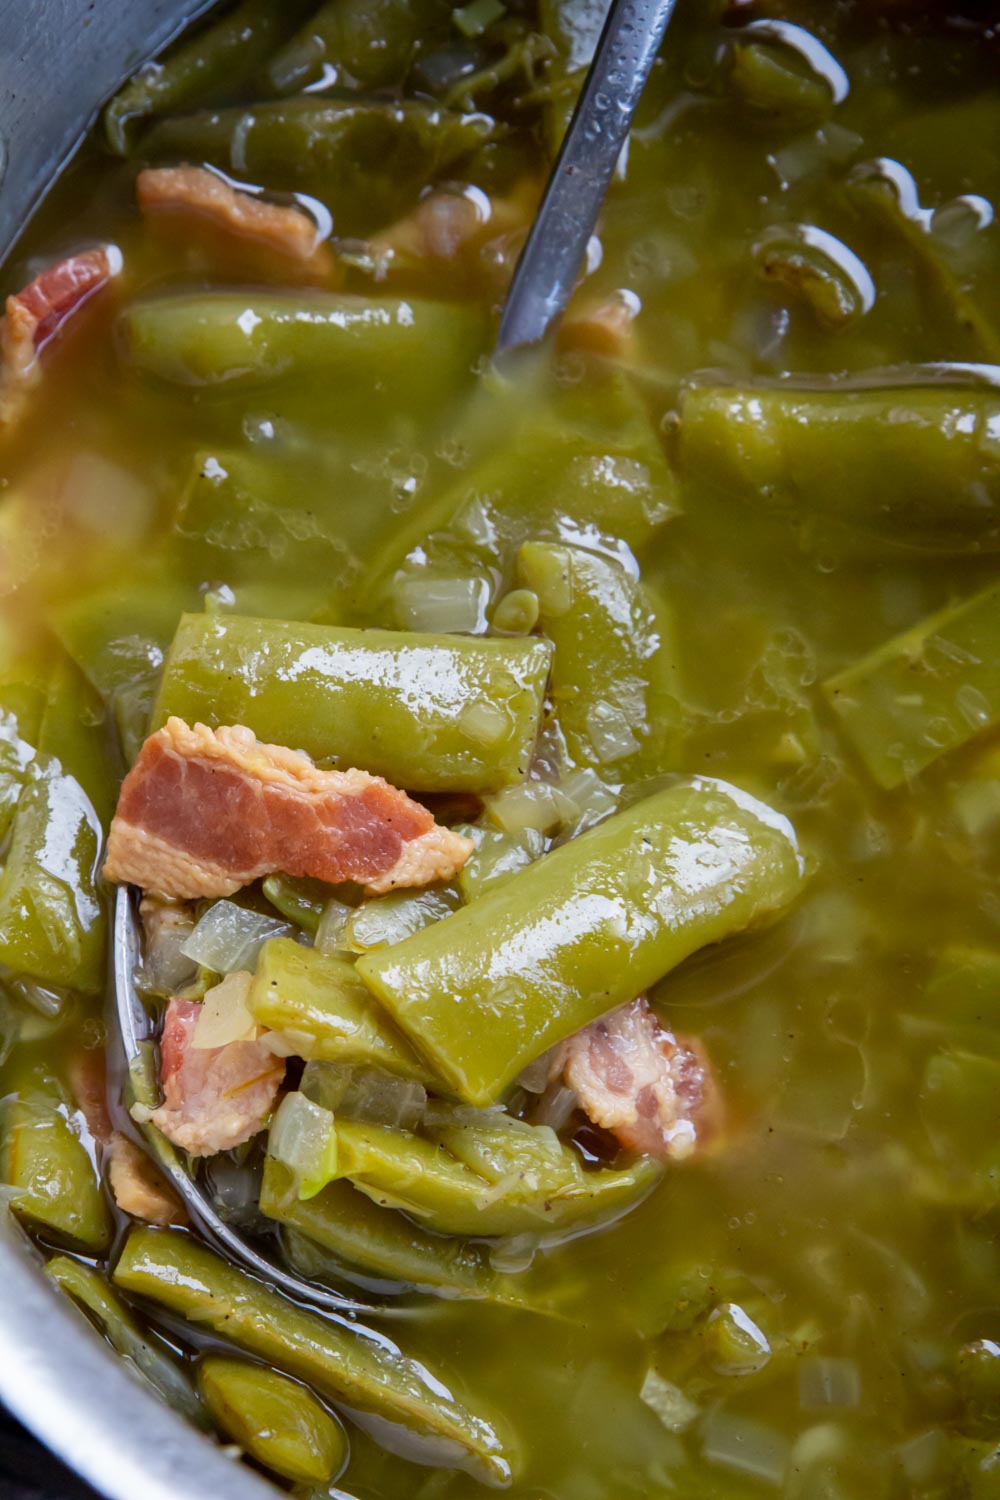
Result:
[
  {"x": 431, "y": 713},
  {"x": 46, "y": 1164},
  {"x": 584, "y": 929},
  {"x": 379, "y": 1246},
  {"x": 276, "y": 1421},
  {"x": 319, "y": 1002},
  {"x": 536, "y": 1191},
  {"x": 926, "y": 692},
  {"x": 371, "y": 41},
  {"x": 914, "y": 464},
  {"x": 362, "y": 1369}
]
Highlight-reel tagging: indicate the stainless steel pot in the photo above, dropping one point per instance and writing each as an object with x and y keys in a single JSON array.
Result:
[{"x": 59, "y": 59}]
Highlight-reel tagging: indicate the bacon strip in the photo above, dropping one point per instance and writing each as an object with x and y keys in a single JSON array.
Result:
[
  {"x": 203, "y": 812},
  {"x": 213, "y": 1098},
  {"x": 196, "y": 191},
  {"x": 34, "y": 314},
  {"x": 654, "y": 1092}
]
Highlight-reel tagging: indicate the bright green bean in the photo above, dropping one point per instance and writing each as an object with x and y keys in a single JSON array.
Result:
[
  {"x": 44, "y": 1158},
  {"x": 275, "y": 1420},
  {"x": 213, "y": 60},
  {"x": 924, "y": 692},
  {"x": 326, "y": 1009},
  {"x": 584, "y": 929},
  {"x": 430, "y": 713},
  {"x": 914, "y": 465},
  {"x": 614, "y": 671},
  {"x": 340, "y": 1360},
  {"x": 86, "y": 1286},
  {"x": 227, "y": 340},
  {"x": 300, "y": 901},
  {"x": 371, "y": 41},
  {"x": 528, "y": 1192},
  {"x": 380, "y": 1243}
]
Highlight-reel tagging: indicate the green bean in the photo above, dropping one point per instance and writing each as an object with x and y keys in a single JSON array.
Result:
[
  {"x": 398, "y": 915},
  {"x": 776, "y": 91},
  {"x": 329, "y": 1014},
  {"x": 381, "y": 1243},
  {"x": 614, "y": 669},
  {"x": 496, "y": 857},
  {"x": 363, "y": 157},
  {"x": 371, "y": 41},
  {"x": 120, "y": 633},
  {"x": 213, "y": 61},
  {"x": 276, "y": 1421},
  {"x": 924, "y": 692},
  {"x": 817, "y": 269},
  {"x": 430, "y": 713},
  {"x": 58, "y": 1192},
  {"x": 879, "y": 195},
  {"x": 530, "y": 1191},
  {"x": 15, "y": 757},
  {"x": 301, "y": 901},
  {"x": 340, "y": 1360},
  {"x": 52, "y": 921},
  {"x": 579, "y": 463},
  {"x": 239, "y": 341},
  {"x": 584, "y": 929},
  {"x": 913, "y": 465},
  {"x": 86, "y": 1286},
  {"x": 573, "y": 29}
]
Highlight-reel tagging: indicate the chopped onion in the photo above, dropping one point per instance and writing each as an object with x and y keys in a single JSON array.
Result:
[
  {"x": 288, "y": 1043},
  {"x": 235, "y": 1190},
  {"x": 484, "y": 722},
  {"x": 390, "y": 919},
  {"x": 746, "y": 1447},
  {"x": 330, "y": 932},
  {"x": 48, "y": 1003},
  {"x": 166, "y": 968},
  {"x": 229, "y": 937},
  {"x": 610, "y": 732},
  {"x": 442, "y": 606},
  {"x": 592, "y": 799},
  {"x": 535, "y": 1077},
  {"x": 825, "y": 1381},
  {"x": 556, "y": 1106},
  {"x": 668, "y": 1401},
  {"x": 363, "y": 1093},
  {"x": 534, "y": 805},
  {"x": 224, "y": 1015},
  {"x": 304, "y": 1140},
  {"x": 514, "y": 1254}
]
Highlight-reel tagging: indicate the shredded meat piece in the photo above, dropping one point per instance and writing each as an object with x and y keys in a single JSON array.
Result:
[
  {"x": 214, "y": 1098},
  {"x": 654, "y": 1092},
  {"x": 37, "y": 312},
  {"x": 203, "y": 812},
  {"x": 137, "y": 1186},
  {"x": 194, "y": 191}
]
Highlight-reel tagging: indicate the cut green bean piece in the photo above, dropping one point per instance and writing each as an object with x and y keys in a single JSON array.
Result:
[
  {"x": 496, "y": 857},
  {"x": 406, "y": 707},
  {"x": 538, "y": 1193},
  {"x": 340, "y": 1360},
  {"x": 86, "y": 1286},
  {"x": 777, "y": 88},
  {"x": 361, "y": 156},
  {"x": 925, "y": 692},
  {"x": 276, "y": 1421},
  {"x": 589, "y": 926},
  {"x": 915, "y": 465},
  {"x": 326, "y": 1011},
  {"x": 214, "y": 60},
  {"x": 299, "y": 901},
  {"x": 58, "y": 1192},
  {"x": 371, "y": 41},
  {"x": 381, "y": 1243},
  {"x": 389, "y": 919},
  {"x": 817, "y": 269},
  {"x": 240, "y": 341},
  {"x": 614, "y": 671}
]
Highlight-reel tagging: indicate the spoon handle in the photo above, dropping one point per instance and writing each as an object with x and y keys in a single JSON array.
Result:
[{"x": 547, "y": 268}]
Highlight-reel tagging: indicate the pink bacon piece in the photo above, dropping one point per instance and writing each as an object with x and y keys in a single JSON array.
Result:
[
  {"x": 196, "y": 191},
  {"x": 203, "y": 812},
  {"x": 37, "y": 312},
  {"x": 654, "y": 1092},
  {"x": 214, "y": 1098}
]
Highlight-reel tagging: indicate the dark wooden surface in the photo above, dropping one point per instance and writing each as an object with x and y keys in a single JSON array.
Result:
[{"x": 29, "y": 1472}]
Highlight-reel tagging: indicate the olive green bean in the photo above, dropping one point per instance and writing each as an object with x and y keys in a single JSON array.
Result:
[
  {"x": 341, "y": 1360},
  {"x": 913, "y": 464},
  {"x": 587, "y": 927},
  {"x": 326, "y": 1010},
  {"x": 430, "y": 713},
  {"x": 276, "y": 1421},
  {"x": 88, "y": 1287},
  {"x": 372, "y": 42},
  {"x": 924, "y": 692},
  {"x": 43, "y": 1157}
]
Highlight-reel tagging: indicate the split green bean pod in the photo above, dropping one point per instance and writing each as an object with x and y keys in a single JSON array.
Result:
[
  {"x": 273, "y": 1419},
  {"x": 584, "y": 929}
]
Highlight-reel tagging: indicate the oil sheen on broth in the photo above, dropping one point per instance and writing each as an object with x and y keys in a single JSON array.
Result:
[{"x": 738, "y": 525}]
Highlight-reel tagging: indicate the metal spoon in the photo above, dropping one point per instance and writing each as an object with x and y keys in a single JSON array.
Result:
[{"x": 542, "y": 284}]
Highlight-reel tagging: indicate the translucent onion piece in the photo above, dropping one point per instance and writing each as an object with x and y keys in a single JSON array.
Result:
[
  {"x": 303, "y": 1139},
  {"x": 668, "y": 1402},
  {"x": 746, "y": 1447},
  {"x": 224, "y": 1015},
  {"x": 330, "y": 932},
  {"x": 390, "y": 919},
  {"x": 367, "y": 1094},
  {"x": 442, "y": 606},
  {"x": 825, "y": 1381},
  {"x": 229, "y": 937}
]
